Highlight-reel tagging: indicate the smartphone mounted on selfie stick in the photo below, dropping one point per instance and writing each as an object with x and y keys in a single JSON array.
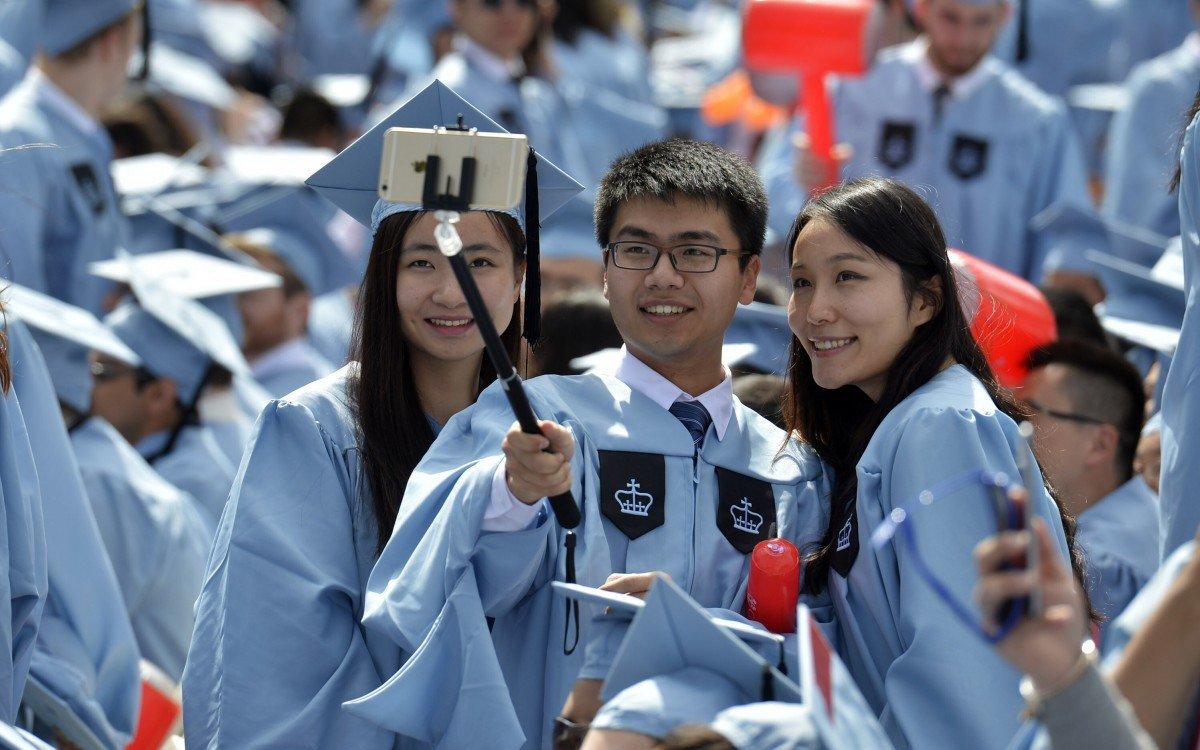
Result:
[{"x": 448, "y": 170}]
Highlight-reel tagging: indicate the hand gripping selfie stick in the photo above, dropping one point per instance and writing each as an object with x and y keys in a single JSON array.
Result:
[{"x": 447, "y": 207}]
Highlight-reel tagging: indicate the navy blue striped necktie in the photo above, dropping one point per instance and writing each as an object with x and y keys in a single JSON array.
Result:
[{"x": 694, "y": 417}]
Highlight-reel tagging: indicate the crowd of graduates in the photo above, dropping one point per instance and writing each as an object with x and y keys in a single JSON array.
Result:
[{"x": 260, "y": 489}]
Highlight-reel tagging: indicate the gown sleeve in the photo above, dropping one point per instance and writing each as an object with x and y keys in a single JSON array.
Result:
[
  {"x": 277, "y": 645},
  {"x": 947, "y": 687}
]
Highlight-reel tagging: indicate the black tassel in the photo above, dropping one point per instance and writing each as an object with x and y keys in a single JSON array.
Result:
[
  {"x": 1023, "y": 31},
  {"x": 144, "y": 73},
  {"x": 533, "y": 277}
]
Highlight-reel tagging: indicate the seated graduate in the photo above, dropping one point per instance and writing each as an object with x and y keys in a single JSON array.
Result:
[
  {"x": 658, "y": 452},
  {"x": 892, "y": 391},
  {"x": 278, "y": 630},
  {"x": 1087, "y": 404},
  {"x": 275, "y": 320},
  {"x": 153, "y": 406},
  {"x": 84, "y": 669},
  {"x": 157, "y": 537}
]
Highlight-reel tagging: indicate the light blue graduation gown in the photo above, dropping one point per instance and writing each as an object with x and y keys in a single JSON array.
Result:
[
  {"x": 86, "y": 654},
  {"x": 1119, "y": 538},
  {"x": 1154, "y": 27},
  {"x": 196, "y": 465},
  {"x": 1069, "y": 42},
  {"x": 439, "y": 575},
  {"x": 1143, "y": 142},
  {"x": 303, "y": 365},
  {"x": 329, "y": 36},
  {"x": 278, "y": 645},
  {"x": 24, "y": 541},
  {"x": 12, "y": 67},
  {"x": 330, "y": 325},
  {"x": 619, "y": 64},
  {"x": 1032, "y": 159},
  {"x": 1181, "y": 399},
  {"x": 932, "y": 682},
  {"x": 156, "y": 536},
  {"x": 19, "y": 24},
  {"x": 62, "y": 213}
]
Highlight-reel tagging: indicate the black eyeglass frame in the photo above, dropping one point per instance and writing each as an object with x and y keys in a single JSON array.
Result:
[
  {"x": 1037, "y": 408},
  {"x": 496, "y": 4},
  {"x": 610, "y": 250}
]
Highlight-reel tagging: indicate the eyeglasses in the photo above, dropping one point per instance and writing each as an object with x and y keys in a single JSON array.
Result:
[
  {"x": 105, "y": 371},
  {"x": 643, "y": 256},
  {"x": 1009, "y": 513},
  {"x": 1037, "y": 408},
  {"x": 495, "y": 4}
]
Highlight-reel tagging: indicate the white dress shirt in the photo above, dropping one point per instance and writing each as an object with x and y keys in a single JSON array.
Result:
[{"x": 506, "y": 513}]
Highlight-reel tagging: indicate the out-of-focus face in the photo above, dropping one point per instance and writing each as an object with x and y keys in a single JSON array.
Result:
[
  {"x": 503, "y": 27},
  {"x": 116, "y": 397},
  {"x": 1147, "y": 460},
  {"x": 670, "y": 319},
  {"x": 118, "y": 51},
  {"x": 434, "y": 316},
  {"x": 271, "y": 317},
  {"x": 849, "y": 309},
  {"x": 1064, "y": 445},
  {"x": 960, "y": 33}
]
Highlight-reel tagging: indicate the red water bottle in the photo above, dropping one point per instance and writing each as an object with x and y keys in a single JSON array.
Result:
[{"x": 774, "y": 585}]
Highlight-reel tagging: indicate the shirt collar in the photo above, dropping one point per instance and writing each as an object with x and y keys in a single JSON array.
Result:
[
  {"x": 642, "y": 378},
  {"x": 492, "y": 65},
  {"x": 960, "y": 87},
  {"x": 53, "y": 96}
]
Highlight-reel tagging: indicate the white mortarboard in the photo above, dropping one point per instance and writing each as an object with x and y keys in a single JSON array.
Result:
[
  {"x": 188, "y": 273},
  {"x": 1101, "y": 97},
  {"x": 672, "y": 632},
  {"x": 350, "y": 181},
  {"x": 185, "y": 76},
  {"x": 66, "y": 23},
  {"x": 155, "y": 173},
  {"x": 605, "y": 360},
  {"x": 277, "y": 165},
  {"x": 66, "y": 334},
  {"x": 176, "y": 337},
  {"x": 343, "y": 89},
  {"x": 237, "y": 32}
]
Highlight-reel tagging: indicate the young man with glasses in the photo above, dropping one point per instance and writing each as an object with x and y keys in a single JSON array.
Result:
[
  {"x": 1087, "y": 404},
  {"x": 672, "y": 474}
]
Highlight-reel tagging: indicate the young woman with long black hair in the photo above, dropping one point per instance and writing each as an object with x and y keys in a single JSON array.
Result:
[{"x": 890, "y": 388}]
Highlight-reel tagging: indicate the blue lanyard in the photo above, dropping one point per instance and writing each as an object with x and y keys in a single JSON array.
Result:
[{"x": 1008, "y": 517}]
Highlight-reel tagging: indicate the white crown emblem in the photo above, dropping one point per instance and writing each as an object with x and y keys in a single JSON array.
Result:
[
  {"x": 844, "y": 535},
  {"x": 632, "y": 502},
  {"x": 745, "y": 519}
]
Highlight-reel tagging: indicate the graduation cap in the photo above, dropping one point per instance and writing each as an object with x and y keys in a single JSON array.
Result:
[
  {"x": 154, "y": 174},
  {"x": 1067, "y": 233},
  {"x": 350, "y": 181},
  {"x": 278, "y": 165},
  {"x": 294, "y": 225},
  {"x": 187, "y": 77},
  {"x": 732, "y": 355},
  {"x": 188, "y": 273},
  {"x": 66, "y": 23},
  {"x": 672, "y": 632},
  {"x": 175, "y": 336},
  {"x": 65, "y": 334}
]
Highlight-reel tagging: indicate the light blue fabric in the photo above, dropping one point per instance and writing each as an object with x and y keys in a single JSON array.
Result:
[
  {"x": 60, "y": 208},
  {"x": 439, "y": 576},
  {"x": 657, "y": 707},
  {"x": 924, "y": 673},
  {"x": 12, "y": 67},
  {"x": 769, "y": 726},
  {"x": 196, "y": 465},
  {"x": 1070, "y": 42},
  {"x": 277, "y": 624},
  {"x": 1033, "y": 157},
  {"x": 68, "y": 22},
  {"x": 164, "y": 352},
  {"x": 156, "y": 536},
  {"x": 69, "y": 369},
  {"x": 618, "y": 63},
  {"x": 20, "y": 22},
  {"x": 1143, "y": 142},
  {"x": 1119, "y": 538},
  {"x": 1154, "y": 27},
  {"x": 330, "y": 325},
  {"x": 329, "y": 36},
  {"x": 306, "y": 366},
  {"x": 86, "y": 654},
  {"x": 24, "y": 539},
  {"x": 1181, "y": 398}
]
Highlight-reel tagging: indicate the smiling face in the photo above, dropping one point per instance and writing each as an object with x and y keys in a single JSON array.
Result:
[
  {"x": 675, "y": 321},
  {"x": 849, "y": 309},
  {"x": 434, "y": 316}
]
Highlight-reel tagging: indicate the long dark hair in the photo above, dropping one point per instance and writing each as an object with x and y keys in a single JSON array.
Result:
[
  {"x": 894, "y": 223},
  {"x": 393, "y": 433}
]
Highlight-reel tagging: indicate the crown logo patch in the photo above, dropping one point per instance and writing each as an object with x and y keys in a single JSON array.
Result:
[
  {"x": 744, "y": 517},
  {"x": 634, "y": 503},
  {"x": 844, "y": 535}
]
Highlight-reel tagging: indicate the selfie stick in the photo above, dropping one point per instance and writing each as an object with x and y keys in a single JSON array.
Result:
[{"x": 446, "y": 208}]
